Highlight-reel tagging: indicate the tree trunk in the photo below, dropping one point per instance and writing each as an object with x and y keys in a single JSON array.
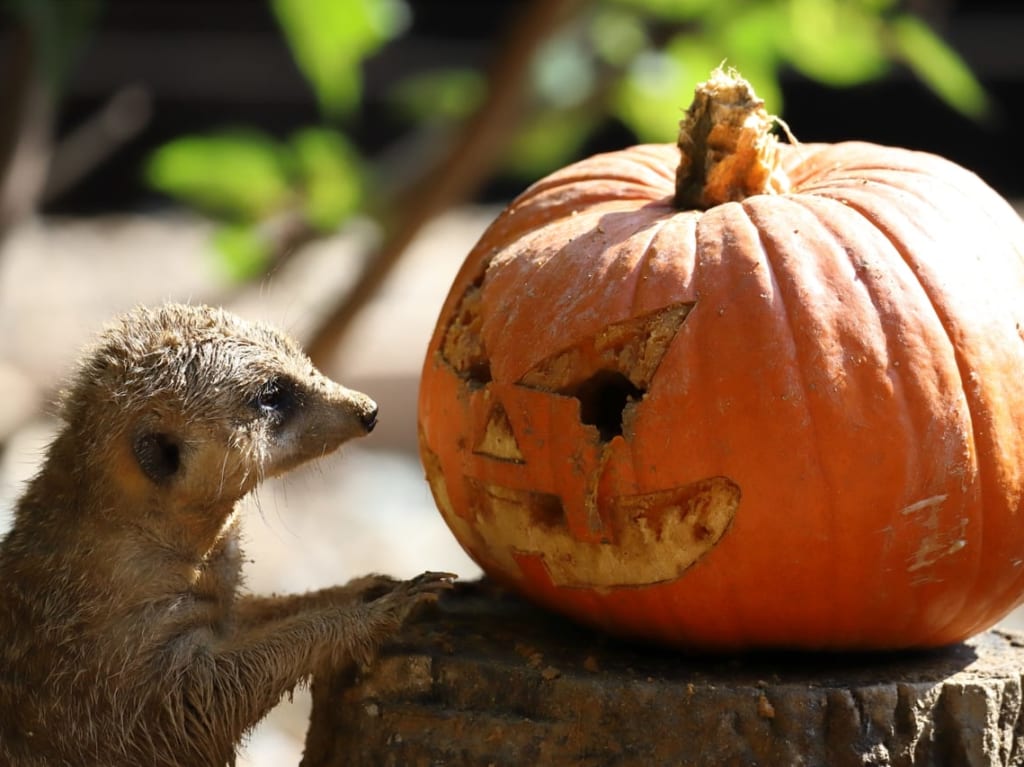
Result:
[{"x": 487, "y": 680}]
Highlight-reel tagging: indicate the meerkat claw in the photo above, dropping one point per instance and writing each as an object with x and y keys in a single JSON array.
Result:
[{"x": 432, "y": 581}]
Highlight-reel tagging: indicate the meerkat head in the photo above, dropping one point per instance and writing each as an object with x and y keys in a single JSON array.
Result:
[{"x": 190, "y": 407}]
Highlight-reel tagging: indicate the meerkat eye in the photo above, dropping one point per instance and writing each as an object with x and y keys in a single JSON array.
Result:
[
  {"x": 159, "y": 456},
  {"x": 276, "y": 397}
]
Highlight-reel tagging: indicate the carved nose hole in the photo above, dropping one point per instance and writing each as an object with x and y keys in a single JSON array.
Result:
[{"x": 603, "y": 399}]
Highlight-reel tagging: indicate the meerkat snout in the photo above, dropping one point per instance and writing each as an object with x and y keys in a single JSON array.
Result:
[
  {"x": 370, "y": 419},
  {"x": 365, "y": 408},
  {"x": 309, "y": 420},
  {"x": 126, "y": 637}
]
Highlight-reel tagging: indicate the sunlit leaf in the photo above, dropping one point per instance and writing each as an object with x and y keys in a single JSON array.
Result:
[
  {"x": 659, "y": 86},
  {"x": 751, "y": 41},
  {"x": 549, "y": 141},
  {"x": 836, "y": 42},
  {"x": 241, "y": 173},
  {"x": 563, "y": 72},
  {"x": 938, "y": 66},
  {"x": 879, "y": 6},
  {"x": 671, "y": 10},
  {"x": 241, "y": 252},
  {"x": 330, "y": 39},
  {"x": 447, "y": 94},
  {"x": 617, "y": 34},
  {"x": 330, "y": 176}
]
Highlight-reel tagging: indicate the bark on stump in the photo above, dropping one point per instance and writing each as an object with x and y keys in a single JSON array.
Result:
[{"x": 488, "y": 680}]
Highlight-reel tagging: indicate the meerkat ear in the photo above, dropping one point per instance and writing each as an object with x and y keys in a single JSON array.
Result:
[{"x": 158, "y": 454}]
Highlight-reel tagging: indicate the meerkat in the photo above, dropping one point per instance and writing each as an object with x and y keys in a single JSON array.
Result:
[{"x": 125, "y": 638}]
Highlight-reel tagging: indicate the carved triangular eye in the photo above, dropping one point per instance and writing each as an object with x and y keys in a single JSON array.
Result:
[
  {"x": 611, "y": 370},
  {"x": 498, "y": 439},
  {"x": 632, "y": 348},
  {"x": 158, "y": 454}
]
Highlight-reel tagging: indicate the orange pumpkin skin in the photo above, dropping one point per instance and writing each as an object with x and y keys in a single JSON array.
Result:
[{"x": 789, "y": 421}]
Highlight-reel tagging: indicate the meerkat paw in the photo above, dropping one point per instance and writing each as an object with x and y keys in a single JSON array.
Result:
[
  {"x": 385, "y": 615},
  {"x": 367, "y": 588},
  {"x": 406, "y": 596},
  {"x": 429, "y": 583}
]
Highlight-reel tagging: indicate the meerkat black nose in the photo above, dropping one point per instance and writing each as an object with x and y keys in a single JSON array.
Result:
[{"x": 370, "y": 418}]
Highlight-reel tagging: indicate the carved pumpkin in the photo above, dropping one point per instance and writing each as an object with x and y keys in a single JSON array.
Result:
[{"x": 737, "y": 394}]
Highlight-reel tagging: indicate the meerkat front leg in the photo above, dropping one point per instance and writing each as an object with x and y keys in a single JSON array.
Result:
[
  {"x": 252, "y": 610},
  {"x": 229, "y": 686}
]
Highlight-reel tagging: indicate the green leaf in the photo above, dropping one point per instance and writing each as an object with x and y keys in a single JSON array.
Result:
[
  {"x": 242, "y": 253},
  {"x": 879, "y": 7},
  {"x": 547, "y": 143},
  {"x": 659, "y": 85},
  {"x": 836, "y": 42},
  {"x": 671, "y": 10},
  {"x": 243, "y": 174},
  {"x": 330, "y": 39},
  {"x": 330, "y": 175},
  {"x": 751, "y": 42},
  {"x": 563, "y": 72},
  {"x": 617, "y": 35},
  {"x": 447, "y": 94},
  {"x": 939, "y": 66}
]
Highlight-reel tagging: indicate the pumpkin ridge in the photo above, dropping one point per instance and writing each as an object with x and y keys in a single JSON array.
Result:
[
  {"x": 894, "y": 353},
  {"x": 847, "y": 159},
  {"x": 834, "y": 186},
  {"x": 970, "y": 403},
  {"x": 580, "y": 173},
  {"x": 780, "y": 295},
  {"x": 624, "y": 192},
  {"x": 811, "y": 165},
  {"x": 642, "y": 261},
  {"x": 649, "y": 156}
]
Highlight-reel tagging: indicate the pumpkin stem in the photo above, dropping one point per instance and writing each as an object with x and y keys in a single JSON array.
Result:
[{"x": 727, "y": 150}]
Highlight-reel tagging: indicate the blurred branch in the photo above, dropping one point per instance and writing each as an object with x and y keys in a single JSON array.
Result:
[
  {"x": 471, "y": 156},
  {"x": 26, "y": 128},
  {"x": 118, "y": 121},
  {"x": 36, "y": 49}
]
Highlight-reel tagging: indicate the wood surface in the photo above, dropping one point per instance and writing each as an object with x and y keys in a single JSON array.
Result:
[{"x": 485, "y": 679}]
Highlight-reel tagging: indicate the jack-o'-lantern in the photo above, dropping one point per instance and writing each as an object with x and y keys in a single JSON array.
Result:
[{"x": 734, "y": 393}]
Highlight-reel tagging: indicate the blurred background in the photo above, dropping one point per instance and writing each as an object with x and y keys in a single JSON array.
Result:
[{"x": 326, "y": 164}]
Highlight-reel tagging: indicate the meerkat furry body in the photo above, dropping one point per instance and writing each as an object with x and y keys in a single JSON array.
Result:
[{"x": 124, "y": 639}]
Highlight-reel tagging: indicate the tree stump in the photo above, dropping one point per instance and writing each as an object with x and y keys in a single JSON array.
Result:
[{"x": 486, "y": 679}]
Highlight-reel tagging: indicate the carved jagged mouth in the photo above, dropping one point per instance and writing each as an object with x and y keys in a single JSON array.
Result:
[{"x": 657, "y": 538}]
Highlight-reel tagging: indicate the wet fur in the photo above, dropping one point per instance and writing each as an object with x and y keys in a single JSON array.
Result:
[{"x": 124, "y": 638}]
